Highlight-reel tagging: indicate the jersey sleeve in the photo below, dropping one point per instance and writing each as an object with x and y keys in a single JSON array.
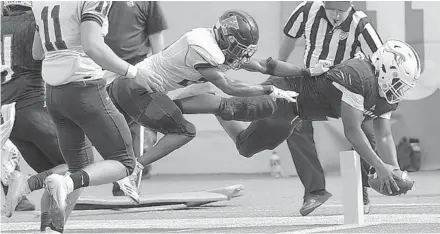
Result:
[
  {"x": 198, "y": 57},
  {"x": 154, "y": 18},
  {"x": 95, "y": 11},
  {"x": 369, "y": 39},
  {"x": 295, "y": 25},
  {"x": 353, "y": 99}
]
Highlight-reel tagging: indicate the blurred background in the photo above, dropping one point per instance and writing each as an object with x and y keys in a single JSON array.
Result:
[{"x": 212, "y": 152}]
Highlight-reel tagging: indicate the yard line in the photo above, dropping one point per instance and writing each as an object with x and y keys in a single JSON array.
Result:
[{"x": 210, "y": 223}]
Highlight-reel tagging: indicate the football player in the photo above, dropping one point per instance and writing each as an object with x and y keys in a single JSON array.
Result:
[
  {"x": 136, "y": 30},
  {"x": 200, "y": 55},
  {"x": 33, "y": 131},
  {"x": 355, "y": 90},
  {"x": 71, "y": 41}
]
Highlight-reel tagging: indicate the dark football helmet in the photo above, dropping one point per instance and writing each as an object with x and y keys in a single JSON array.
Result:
[{"x": 237, "y": 35}]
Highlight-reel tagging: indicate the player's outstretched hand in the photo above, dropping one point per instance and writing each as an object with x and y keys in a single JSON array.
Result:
[
  {"x": 387, "y": 176},
  {"x": 321, "y": 67},
  {"x": 150, "y": 81},
  {"x": 284, "y": 94}
]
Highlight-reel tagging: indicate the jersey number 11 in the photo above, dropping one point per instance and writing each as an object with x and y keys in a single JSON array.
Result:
[{"x": 55, "y": 15}]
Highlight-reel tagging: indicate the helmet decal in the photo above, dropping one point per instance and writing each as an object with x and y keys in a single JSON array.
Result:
[{"x": 230, "y": 22}]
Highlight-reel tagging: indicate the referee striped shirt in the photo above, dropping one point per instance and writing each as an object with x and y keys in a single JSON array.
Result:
[{"x": 323, "y": 41}]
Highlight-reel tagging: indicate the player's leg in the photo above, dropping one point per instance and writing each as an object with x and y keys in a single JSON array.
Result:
[
  {"x": 77, "y": 152},
  {"x": 156, "y": 111},
  {"x": 35, "y": 137},
  {"x": 108, "y": 131},
  {"x": 85, "y": 107},
  {"x": 266, "y": 133},
  {"x": 10, "y": 158},
  {"x": 260, "y": 135}
]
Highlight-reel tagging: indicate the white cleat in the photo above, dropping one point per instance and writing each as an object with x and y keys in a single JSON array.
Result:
[
  {"x": 129, "y": 189},
  {"x": 59, "y": 188},
  {"x": 18, "y": 188}
]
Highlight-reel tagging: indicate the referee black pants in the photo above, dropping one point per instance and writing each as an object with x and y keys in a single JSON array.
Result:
[{"x": 303, "y": 151}]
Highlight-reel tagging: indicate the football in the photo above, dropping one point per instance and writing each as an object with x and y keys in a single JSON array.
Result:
[{"x": 404, "y": 182}]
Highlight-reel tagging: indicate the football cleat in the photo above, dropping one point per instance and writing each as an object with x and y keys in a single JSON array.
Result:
[
  {"x": 59, "y": 188},
  {"x": 18, "y": 188},
  {"x": 129, "y": 189}
]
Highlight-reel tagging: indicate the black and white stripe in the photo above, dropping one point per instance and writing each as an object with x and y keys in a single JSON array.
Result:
[{"x": 323, "y": 41}]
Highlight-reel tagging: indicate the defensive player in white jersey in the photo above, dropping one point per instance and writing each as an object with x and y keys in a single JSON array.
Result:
[
  {"x": 200, "y": 55},
  {"x": 71, "y": 41}
]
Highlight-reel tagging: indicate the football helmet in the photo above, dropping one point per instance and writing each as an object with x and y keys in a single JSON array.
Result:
[
  {"x": 8, "y": 7},
  {"x": 18, "y": 3},
  {"x": 237, "y": 35},
  {"x": 398, "y": 69}
]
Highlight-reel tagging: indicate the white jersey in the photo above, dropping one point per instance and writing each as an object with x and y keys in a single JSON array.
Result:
[
  {"x": 59, "y": 25},
  {"x": 178, "y": 63}
]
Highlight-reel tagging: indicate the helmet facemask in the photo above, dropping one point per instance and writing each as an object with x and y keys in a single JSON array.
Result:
[
  {"x": 238, "y": 54},
  {"x": 396, "y": 90}
]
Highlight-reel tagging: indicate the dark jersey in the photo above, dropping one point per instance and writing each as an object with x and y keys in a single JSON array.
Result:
[
  {"x": 22, "y": 83},
  {"x": 130, "y": 24},
  {"x": 320, "y": 97}
]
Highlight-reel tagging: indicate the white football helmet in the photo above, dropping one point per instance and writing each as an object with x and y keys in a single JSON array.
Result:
[{"x": 397, "y": 68}]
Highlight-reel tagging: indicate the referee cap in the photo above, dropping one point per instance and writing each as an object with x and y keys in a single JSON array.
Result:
[{"x": 337, "y": 5}]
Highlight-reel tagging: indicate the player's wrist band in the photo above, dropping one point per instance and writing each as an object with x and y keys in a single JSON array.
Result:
[{"x": 131, "y": 72}]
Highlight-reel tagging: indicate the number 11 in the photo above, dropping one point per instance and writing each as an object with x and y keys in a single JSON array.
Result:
[{"x": 55, "y": 15}]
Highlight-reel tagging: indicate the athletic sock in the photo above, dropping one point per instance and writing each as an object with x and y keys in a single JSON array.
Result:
[
  {"x": 80, "y": 179},
  {"x": 36, "y": 182}
]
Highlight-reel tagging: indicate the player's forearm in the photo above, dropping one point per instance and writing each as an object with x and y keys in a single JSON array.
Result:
[
  {"x": 241, "y": 89},
  {"x": 387, "y": 150},
  {"x": 280, "y": 68},
  {"x": 286, "y": 48},
  {"x": 362, "y": 146},
  {"x": 106, "y": 58},
  {"x": 157, "y": 42}
]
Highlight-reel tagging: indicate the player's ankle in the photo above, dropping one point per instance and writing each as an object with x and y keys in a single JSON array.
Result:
[{"x": 78, "y": 179}]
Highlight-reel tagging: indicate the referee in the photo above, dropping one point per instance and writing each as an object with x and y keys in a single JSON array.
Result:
[{"x": 334, "y": 31}]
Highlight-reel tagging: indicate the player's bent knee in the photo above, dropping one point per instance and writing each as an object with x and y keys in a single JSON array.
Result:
[
  {"x": 245, "y": 152},
  {"x": 244, "y": 149}
]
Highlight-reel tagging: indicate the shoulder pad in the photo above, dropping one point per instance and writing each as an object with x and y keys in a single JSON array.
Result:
[{"x": 202, "y": 40}]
